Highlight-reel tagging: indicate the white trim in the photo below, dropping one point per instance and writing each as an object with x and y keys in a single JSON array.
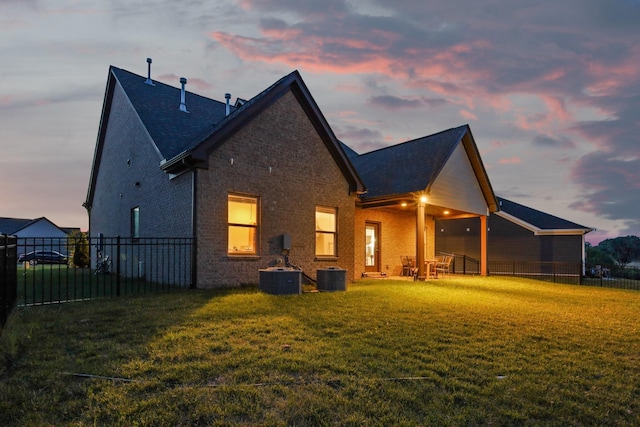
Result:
[{"x": 540, "y": 231}]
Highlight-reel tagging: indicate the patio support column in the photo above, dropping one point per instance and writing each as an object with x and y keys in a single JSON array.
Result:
[
  {"x": 483, "y": 245},
  {"x": 420, "y": 240}
]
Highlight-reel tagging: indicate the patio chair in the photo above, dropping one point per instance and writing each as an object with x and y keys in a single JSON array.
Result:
[
  {"x": 406, "y": 266},
  {"x": 443, "y": 264}
]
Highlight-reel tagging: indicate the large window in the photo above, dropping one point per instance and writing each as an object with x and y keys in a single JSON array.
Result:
[
  {"x": 135, "y": 222},
  {"x": 326, "y": 230},
  {"x": 243, "y": 225}
]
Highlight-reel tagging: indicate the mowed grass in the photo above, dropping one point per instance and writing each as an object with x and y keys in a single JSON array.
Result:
[{"x": 455, "y": 351}]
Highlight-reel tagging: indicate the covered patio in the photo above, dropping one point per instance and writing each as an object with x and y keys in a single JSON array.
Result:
[{"x": 409, "y": 186}]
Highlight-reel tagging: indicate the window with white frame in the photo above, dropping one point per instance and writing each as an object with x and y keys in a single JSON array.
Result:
[
  {"x": 135, "y": 222},
  {"x": 326, "y": 231},
  {"x": 243, "y": 225}
]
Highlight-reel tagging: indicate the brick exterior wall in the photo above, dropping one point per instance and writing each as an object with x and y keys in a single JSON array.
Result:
[
  {"x": 398, "y": 238},
  {"x": 129, "y": 157},
  {"x": 279, "y": 158}
]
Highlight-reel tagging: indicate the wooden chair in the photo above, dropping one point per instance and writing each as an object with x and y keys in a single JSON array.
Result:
[{"x": 443, "y": 264}]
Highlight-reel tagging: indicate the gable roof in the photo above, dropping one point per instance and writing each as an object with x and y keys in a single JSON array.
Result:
[
  {"x": 12, "y": 225},
  {"x": 413, "y": 166},
  {"x": 171, "y": 130},
  {"x": 538, "y": 222},
  {"x": 293, "y": 82},
  {"x": 184, "y": 140},
  {"x": 15, "y": 225}
]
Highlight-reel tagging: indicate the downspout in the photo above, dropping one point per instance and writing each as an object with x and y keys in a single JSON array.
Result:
[{"x": 194, "y": 249}]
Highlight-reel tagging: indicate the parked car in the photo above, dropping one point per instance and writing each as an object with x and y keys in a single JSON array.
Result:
[{"x": 43, "y": 257}]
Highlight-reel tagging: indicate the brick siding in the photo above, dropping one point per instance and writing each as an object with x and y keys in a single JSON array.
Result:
[{"x": 280, "y": 158}]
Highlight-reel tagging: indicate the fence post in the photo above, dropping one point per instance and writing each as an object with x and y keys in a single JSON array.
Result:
[
  {"x": 194, "y": 263},
  {"x": 118, "y": 265}
]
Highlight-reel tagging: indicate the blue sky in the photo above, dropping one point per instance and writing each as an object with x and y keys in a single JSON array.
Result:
[{"x": 550, "y": 89}]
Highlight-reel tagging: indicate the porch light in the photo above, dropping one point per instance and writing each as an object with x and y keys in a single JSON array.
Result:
[
  {"x": 423, "y": 199},
  {"x": 403, "y": 204},
  {"x": 446, "y": 212}
]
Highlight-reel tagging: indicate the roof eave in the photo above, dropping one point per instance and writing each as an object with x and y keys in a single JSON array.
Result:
[{"x": 543, "y": 231}]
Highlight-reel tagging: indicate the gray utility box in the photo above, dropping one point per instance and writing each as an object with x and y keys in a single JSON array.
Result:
[
  {"x": 332, "y": 279},
  {"x": 281, "y": 281}
]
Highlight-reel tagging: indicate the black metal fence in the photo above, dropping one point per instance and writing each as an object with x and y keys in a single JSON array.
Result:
[
  {"x": 56, "y": 270},
  {"x": 556, "y": 272},
  {"x": 8, "y": 276},
  {"x": 611, "y": 276}
]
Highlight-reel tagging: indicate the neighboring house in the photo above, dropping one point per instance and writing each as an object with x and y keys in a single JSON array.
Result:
[
  {"x": 264, "y": 177},
  {"x": 516, "y": 233},
  {"x": 34, "y": 228},
  {"x": 39, "y": 233}
]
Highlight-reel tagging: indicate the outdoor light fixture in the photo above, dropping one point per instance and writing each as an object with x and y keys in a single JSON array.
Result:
[
  {"x": 423, "y": 199},
  {"x": 446, "y": 212},
  {"x": 403, "y": 204}
]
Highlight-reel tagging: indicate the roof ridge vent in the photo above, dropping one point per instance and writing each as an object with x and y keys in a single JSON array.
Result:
[
  {"x": 149, "y": 81},
  {"x": 227, "y": 110},
  {"x": 183, "y": 105}
]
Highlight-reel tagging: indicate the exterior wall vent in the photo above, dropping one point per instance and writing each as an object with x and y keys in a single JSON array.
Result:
[{"x": 183, "y": 105}]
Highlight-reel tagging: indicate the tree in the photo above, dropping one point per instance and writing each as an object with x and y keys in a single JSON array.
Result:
[
  {"x": 622, "y": 249},
  {"x": 79, "y": 248},
  {"x": 597, "y": 256}
]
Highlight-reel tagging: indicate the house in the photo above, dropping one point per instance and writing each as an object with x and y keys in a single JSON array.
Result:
[
  {"x": 33, "y": 228},
  {"x": 259, "y": 179},
  {"x": 39, "y": 233},
  {"x": 245, "y": 179},
  {"x": 516, "y": 233}
]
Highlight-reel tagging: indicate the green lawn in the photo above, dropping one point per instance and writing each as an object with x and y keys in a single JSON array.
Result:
[
  {"x": 455, "y": 351},
  {"x": 44, "y": 284}
]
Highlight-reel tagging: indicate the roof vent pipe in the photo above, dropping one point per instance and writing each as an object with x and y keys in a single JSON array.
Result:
[
  {"x": 149, "y": 81},
  {"x": 183, "y": 106},
  {"x": 227, "y": 110}
]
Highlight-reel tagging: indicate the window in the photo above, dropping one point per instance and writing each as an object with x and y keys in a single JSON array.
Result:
[
  {"x": 135, "y": 222},
  {"x": 326, "y": 230},
  {"x": 243, "y": 225}
]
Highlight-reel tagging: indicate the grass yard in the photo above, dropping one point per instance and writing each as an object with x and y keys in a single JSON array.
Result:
[
  {"x": 455, "y": 351},
  {"x": 43, "y": 284}
]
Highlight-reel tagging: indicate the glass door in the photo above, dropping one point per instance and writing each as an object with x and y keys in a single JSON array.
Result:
[{"x": 372, "y": 247}]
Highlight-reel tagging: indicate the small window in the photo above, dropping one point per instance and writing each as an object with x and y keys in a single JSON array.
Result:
[
  {"x": 326, "y": 231},
  {"x": 243, "y": 225},
  {"x": 135, "y": 222}
]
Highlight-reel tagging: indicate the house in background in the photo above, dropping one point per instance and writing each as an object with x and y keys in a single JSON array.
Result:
[
  {"x": 33, "y": 228},
  {"x": 39, "y": 233},
  {"x": 516, "y": 233},
  {"x": 256, "y": 179}
]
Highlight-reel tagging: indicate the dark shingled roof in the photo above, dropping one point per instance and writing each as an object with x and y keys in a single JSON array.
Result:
[
  {"x": 12, "y": 225},
  {"x": 172, "y": 130},
  {"x": 407, "y": 167},
  {"x": 536, "y": 218}
]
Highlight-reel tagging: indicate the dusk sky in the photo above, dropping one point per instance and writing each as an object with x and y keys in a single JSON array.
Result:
[{"x": 551, "y": 89}]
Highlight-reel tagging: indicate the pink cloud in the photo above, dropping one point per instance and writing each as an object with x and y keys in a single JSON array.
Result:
[
  {"x": 199, "y": 84},
  {"x": 511, "y": 161},
  {"x": 468, "y": 115}
]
